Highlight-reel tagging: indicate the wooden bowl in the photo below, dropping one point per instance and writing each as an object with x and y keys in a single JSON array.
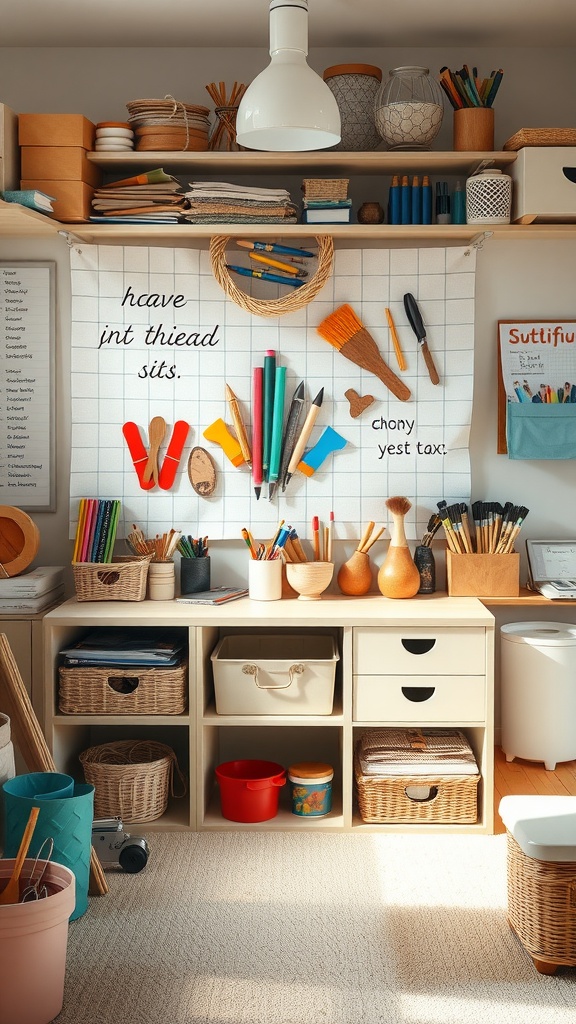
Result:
[{"x": 309, "y": 579}]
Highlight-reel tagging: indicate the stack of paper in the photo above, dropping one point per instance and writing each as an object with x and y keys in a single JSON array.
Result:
[
  {"x": 385, "y": 752},
  {"x": 154, "y": 197},
  {"x": 116, "y": 646},
  {"x": 212, "y": 202},
  {"x": 32, "y": 591}
]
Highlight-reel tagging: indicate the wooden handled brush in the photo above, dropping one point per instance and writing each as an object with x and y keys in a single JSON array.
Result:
[{"x": 347, "y": 333}]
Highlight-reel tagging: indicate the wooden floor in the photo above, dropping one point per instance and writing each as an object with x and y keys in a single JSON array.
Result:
[{"x": 521, "y": 777}]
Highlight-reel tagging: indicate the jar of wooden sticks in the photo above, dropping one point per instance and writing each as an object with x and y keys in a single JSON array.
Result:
[
  {"x": 223, "y": 135},
  {"x": 355, "y": 576}
]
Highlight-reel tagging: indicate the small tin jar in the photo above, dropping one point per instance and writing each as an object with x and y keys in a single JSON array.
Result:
[{"x": 311, "y": 788}]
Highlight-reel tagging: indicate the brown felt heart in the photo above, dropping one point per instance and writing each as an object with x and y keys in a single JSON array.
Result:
[{"x": 358, "y": 403}]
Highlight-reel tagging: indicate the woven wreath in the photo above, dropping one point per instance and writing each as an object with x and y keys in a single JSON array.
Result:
[{"x": 296, "y": 299}]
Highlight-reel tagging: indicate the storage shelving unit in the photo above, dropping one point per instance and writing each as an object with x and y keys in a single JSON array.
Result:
[{"x": 202, "y": 739}]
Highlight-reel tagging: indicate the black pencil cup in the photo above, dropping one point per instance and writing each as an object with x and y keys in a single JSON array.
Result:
[
  {"x": 194, "y": 575},
  {"x": 424, "y": 560}
]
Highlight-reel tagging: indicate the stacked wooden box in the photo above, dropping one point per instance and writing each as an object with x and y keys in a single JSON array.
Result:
[{"x": 54, "y": 160}]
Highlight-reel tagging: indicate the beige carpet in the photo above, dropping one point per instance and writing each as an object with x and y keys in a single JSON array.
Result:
[{"x": 293, "y": 928}]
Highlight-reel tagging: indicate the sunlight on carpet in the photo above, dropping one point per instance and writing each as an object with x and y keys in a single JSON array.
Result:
[{"x": 309, "y": 928}]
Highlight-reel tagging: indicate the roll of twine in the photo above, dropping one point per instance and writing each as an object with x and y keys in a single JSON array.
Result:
[
  {"x": 176, "y": 104},
  {"x": 297, "y": 298}
]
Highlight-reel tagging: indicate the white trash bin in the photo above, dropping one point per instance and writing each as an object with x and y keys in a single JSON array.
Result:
[{"x": 538, "y": 691}]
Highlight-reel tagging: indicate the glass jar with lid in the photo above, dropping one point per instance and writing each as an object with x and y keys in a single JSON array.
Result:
[{"x": 409, "y": 108}]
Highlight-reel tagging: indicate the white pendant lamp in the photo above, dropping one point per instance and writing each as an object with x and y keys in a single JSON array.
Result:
[{"x": 288, "y": 107}]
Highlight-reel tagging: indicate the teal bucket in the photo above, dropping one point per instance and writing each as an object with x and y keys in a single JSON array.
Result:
[{"x": 67, "y": 819}]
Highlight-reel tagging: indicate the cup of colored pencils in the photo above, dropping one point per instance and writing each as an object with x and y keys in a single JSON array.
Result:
[{"x": 194, "y": 565}]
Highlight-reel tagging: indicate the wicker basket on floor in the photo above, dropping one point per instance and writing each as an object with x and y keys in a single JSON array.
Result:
[
  {"x": 453, "y": 799},
  {"x": 132, "y": 779},
  {"x": 112, "y": 581},
  {"x": 122, "y": 690},
  {"x": 542, "y": 905}
]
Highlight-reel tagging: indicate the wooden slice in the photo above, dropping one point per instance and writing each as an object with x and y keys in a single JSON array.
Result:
[
  {"x": 201, "y": 472},
  {"x": 170, "y": 144},
  {"x": 19, "y": 540},
  {"x": 164, "y": 129}
]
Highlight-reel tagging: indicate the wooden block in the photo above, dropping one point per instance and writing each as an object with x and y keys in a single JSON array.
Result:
[
  {"x": 483, "y": 575},
  {"x": 73, "y": 198},
  {"x": 9, "y": 150},
  {"x": 59, "y": 163},
  {"x": 56, "y": 130}
]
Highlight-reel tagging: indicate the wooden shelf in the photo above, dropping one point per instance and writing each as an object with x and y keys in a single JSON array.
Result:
[
  {"x": 19, "y": 220},
  {"x": 336, "y": 162},
  {"x": 526, "y": 597}
]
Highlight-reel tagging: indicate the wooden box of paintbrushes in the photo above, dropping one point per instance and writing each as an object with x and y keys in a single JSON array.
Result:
[{"x": 482, "y": 575}]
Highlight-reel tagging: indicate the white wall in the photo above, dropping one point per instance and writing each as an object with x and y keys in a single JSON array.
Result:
[{"x": 528, "y": 279}]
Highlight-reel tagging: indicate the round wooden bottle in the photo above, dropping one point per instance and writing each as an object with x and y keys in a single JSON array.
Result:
[
  {"x": 355, "y": 576},
  {"x": 398, "y": 576}
]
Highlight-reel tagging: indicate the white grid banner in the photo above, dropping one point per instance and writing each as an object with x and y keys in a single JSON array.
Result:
[{"x": 153, "y": 334}]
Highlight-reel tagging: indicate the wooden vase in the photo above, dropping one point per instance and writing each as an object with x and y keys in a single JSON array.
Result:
[
  {"x": 355, "y": 576},
  {"x": 398, "y": 576}
]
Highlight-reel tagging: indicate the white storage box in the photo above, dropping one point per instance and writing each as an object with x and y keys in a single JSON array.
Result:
[
  {"x": 542, "y": 191},
  {"x": 274, "y": 674}
]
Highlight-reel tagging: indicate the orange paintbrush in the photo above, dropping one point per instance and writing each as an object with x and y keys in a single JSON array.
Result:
[{"x": 347, "y": 333}]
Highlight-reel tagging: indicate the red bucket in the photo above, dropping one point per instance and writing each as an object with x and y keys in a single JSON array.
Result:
[{"x": 249, "y": 790}]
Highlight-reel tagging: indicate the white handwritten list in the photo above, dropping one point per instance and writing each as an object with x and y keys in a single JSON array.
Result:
[
  {"x": 153, "y": 334},
  {"x": 26, "y": 335}
]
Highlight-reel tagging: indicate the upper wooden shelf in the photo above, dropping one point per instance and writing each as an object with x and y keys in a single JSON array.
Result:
[{"x": 342, "y": 162}]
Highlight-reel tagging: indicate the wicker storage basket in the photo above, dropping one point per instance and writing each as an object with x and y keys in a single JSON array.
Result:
[
  {"x": 417, "y": 795},
  {"x": 111, "y": 581},
  {"x": 542, "y": 905},
  {"x": 122, "y": 690},
  {"x": 132, "y": 779}
]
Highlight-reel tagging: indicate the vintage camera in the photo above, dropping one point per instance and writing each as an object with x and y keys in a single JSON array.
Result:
[{"x": 115, "y": 846}]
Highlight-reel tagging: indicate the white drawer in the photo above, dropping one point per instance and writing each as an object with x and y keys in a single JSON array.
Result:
[
  {"x": 449, "y": 650},
  {"x": 419, "y": 699}
]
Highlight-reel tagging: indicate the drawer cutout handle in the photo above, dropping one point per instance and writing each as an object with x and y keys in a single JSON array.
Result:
[
  {"x": 417, "y": 795},
  {"x": 418, "y": 646},
  {"x": 417, "y": 694},
  {"x": 123, "y": 684}
]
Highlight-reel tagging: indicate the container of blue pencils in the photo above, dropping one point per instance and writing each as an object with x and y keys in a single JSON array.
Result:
[{"x": 194, "y": 565}]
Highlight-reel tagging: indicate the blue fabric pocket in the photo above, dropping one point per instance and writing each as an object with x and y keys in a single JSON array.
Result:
[{"x": 546, "y": 431}]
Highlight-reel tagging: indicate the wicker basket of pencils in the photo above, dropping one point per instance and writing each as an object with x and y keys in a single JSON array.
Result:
[
  {"x": 297, "y": 298},
  {"x": 123, "y": 580}
]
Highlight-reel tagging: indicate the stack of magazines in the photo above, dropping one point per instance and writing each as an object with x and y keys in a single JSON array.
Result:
[
  {"x": 138, "y": 647},
  {"x": 32, "y": 591},
  {"x": 384, "y": 752},
  {"x": 152, "y": 197},
  {"x": 213, "y": 202}
]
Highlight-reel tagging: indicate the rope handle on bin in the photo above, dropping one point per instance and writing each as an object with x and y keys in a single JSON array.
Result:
[{"x": 294, "y": 670}]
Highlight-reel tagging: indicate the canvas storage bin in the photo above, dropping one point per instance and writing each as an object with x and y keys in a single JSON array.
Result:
[
  {"x": 122, "y": 690},
  {"x": 274, "y": 674},
  {"x": 544, "y": 185},
  {"x": 416, "y": 775}
]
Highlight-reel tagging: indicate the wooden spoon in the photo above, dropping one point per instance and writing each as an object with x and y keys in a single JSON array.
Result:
[
  {"x": 11, "y": 892},
  {"x": 156, "y": 433}
]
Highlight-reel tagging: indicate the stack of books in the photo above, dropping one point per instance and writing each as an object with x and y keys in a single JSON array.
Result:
[
  {"x": 326, "y": 201},
  {"x": 32, "y": 591},
  {"x": 213, "y": 202},
  {"x": 153, "y": 197}
]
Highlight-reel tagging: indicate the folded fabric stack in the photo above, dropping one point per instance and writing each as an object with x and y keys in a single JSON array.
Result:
[
  {"x": 154, "y": 197},
  {"x": 416, "y": 752},
  {"x": 214, "y": 202},
  {"x": 169, "y": 125},
  {"x": 325, "y": 201}
]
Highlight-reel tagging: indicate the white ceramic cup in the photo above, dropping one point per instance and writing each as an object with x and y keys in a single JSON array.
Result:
[
  {"x": 161, "y": 581},
  {"x": 265, "y": 579}
]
